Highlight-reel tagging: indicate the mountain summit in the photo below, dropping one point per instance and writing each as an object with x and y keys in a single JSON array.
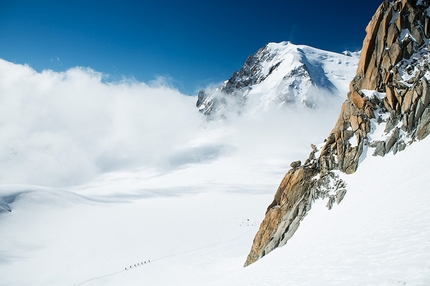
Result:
[
  {"x": 387, "y": 109},
  {"x": 281, "y": 74}
]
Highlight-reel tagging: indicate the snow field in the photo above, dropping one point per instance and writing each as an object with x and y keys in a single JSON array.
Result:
[
  {"x": 69, "y": 242},
  {"x": 378, "y": 235}
]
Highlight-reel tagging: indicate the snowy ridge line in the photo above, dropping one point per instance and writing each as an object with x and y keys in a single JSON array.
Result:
[{"x": 169, "y": 256}]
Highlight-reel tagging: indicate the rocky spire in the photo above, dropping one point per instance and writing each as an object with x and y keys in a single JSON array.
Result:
[{"x": 390, "y": 90}]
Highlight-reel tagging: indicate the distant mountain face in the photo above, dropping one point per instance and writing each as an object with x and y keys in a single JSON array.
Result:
[
  {"x": 281, "y": 74},
  {"x": 387, "y": 109}
]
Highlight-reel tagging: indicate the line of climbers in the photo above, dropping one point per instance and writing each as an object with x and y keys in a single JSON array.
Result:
[{"x": 138, "y": 264}]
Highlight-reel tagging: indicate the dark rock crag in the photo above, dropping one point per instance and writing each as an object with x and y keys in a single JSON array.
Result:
[
  {"x": 236, "y": 87},
  {"x": 391, "y": 90}
]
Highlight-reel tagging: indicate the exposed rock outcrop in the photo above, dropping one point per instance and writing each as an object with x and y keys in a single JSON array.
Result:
[{"x": 390, "y": 92}]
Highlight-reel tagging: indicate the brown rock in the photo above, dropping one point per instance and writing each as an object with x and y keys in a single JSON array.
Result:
[
  {"x": 373, "y": 79},
  {"x": 392, "y": 35},
  {"x": 404, "y": 2},
  {"x": 284, "y": 214},
  {"x": 416, "y": 95},
  {"x": 397, "y": 6},
  {"x": 419, "y": 110},
  {"x": 295, "y": 164},
  {"x": 351, "y": 159},
  {"x": 391, "y": 97},
  {"x": 408, "y": 48},
  {"x": 393, "y": 139},
  {"x": 411, "y": 120},
  {"x": 348, "y": 135},
  {"x": 427, "y": 27},
  {"x": 407, "y": 101},
  {"x": 423, "y": 128},
  {"x": 369, "y": 41},
  {"x": 395, "y": 53},
  {"x": 379, "y": 149},
  {"x": 357, "y": 99},
  {"x": 386, "y": 66},
  {"x": 416, "y": 34},
  {"x": 399, "y": 96},
  {"x": 368, "y": 110},
  {"x": 380, "y": 40},
  {"x": 425, "y": 97},
  {"x": 419, "y": 89}
]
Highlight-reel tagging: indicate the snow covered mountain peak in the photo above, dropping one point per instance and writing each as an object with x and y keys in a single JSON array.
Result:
[{"x": 281, "y": 74}]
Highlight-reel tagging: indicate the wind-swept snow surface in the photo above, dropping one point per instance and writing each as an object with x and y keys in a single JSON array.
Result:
[{"x": 378, "y": 235}]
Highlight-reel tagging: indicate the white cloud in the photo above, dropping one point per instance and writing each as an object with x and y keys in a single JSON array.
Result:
[{"x": 64, "y": 128}]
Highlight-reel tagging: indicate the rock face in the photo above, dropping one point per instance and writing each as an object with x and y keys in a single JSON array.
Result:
[
  {"x": 280, "y": 74},
  {"x": 390, "y": 92}
]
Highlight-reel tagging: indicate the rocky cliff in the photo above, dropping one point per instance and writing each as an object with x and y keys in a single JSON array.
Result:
[{"x": 387, "y": 109}]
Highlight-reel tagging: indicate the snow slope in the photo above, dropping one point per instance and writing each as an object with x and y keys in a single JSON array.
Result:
[
  {"x": 324, "y": 74},
  {"x": 379, "y": 234}
]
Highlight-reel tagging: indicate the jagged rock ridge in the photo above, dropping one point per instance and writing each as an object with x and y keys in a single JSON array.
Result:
[
  {"x": 387, "y": 108},
  {"x": 281, "y": 73}
]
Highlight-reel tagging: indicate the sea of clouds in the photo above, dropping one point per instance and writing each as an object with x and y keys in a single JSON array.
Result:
[{"x": 63, "y": 129}]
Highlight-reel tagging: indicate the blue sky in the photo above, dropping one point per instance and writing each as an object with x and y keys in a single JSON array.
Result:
[{"x": 190, "y": 43}]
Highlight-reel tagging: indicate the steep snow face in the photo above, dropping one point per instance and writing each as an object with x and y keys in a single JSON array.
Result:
[{"x": 282, "y": 74}]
